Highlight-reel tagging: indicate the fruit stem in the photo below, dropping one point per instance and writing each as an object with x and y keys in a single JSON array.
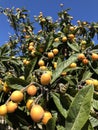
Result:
[
  {"x": 7, "y": 100},
  {"x": 37, "y": 99}
]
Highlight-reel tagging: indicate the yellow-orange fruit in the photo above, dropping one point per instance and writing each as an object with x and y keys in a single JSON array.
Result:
[
  {"x": 89, "y": 81},
  {"x": 64, "y": 73},
  {"x": 43, "y": 20},
  {"x": 55, "y": 65},
  {"x": 64, "y": 39},
  {"x": 85, "y": 61},
  {"x": 43, "y": 67},
  {"x": 81, "y": 56},
  {"x": 41, "y": 63},
  {"x": 11, "y": 106},
  {"x": 73, "y": 65},
  {"x": 31, "y": 44},
  {"x": 5, "y": 87},
  {"x": 32, "y": 90},
  {"x": 50, "y": 55},
  {"x": 45, "y": 79},
  {"x": 56, "y": 39},
  {"x": 55, "y": 51},
  {"x": 16, "y": 96},
  {"x": 83, "y": 42},
  {"x": 94, "y": 56},
  {"x": 47, "y": 116},
  {"x": 36, "y": 113},
  {"x": 3, "y": 110},
  {"x": 27, "y": 36},
  {"x": 29, "y": 104},
  {"x": 71, "y": 36},
  {"x": 30, "y": 48},
  {"x": 71, "y": 28},
  {"x": 33, "y": 52},
  {"x": 26, "y": 62}
]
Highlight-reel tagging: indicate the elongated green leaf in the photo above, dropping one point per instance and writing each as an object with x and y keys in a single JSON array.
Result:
[
  {"x": 16, "y": 86},
  {"x": 80, "y": 109},
  {"x": 56, "y": 99},
  {"x": 51, "y": 124},
  {"x": 50, "y": 41},
  {"x": 29, "y": 68},
  {"x": 86, "y": 75},
  {"x": 62, "y": 66},
  {"x": 74, "y": 46},
  {"x": 16, "y": 81},
  {"x": 93, "y": 121},
  {"x": 95, "y": 104}
]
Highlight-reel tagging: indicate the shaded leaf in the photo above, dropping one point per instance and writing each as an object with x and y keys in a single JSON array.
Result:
[
  {"x": 56, "y": 99},
  {"x": 95, "y": 104},
  {"x": 51, "y": 124},
  {"x": 16, "y": 81},
  {"x": 88, "y": 126}
]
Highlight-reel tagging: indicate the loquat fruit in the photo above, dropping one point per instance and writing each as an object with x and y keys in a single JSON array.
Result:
[
  {"x": 11, "y": 106},
  {"x": 29, "y": 103},
  {"x": 47, "y": 116},
  {"x": 3, "y": 110},
  {"x": 32, "y": 90},
  {"x": 36, "y": 113},
  {"x": 45, "y": 78},
  {"x": 17, "y": 96}
]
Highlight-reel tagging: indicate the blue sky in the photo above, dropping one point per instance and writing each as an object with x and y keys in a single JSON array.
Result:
[{"x": 85, "y": 10}]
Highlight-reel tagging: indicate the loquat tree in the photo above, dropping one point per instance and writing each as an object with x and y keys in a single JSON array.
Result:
[{"x": 49, "y": 79}]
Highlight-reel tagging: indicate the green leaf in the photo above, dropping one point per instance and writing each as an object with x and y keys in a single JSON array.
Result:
[
  {"x": 50, "y": 41},
  {"x": 16, "y": 81},
  {"x": 88, "y": 126},
  {"x": 29, "y": 69},
  {"x": 93, "y": 121},
  {"x": 51, "y": 124},
  {"x": 56, "y": 44},
  {"x": 16, "y": 86},
  {"x": 60, "y": 127},
  {"x": 95, "y": 104},
  {"x": 79, "y": 110},
  {"x": 61, "y": 66},
  {"x": 94, "y": 69},
  {"x": 74, "y": 46},
  {"x": 86, "y": 75},
  {"x": 56, "y": 99}
]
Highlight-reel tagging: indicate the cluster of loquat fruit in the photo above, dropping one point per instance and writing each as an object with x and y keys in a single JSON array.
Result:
[{"x": 36, "y": 111}]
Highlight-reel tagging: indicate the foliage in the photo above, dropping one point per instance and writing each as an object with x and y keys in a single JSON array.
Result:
[{"x": 71, "y": 93}]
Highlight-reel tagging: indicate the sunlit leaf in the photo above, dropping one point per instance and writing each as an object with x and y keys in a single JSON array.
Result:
[
  {"x": 79, "y": 110},
  {"x": 62, "y": 66},
  {"x": 74, "y": 46},
  {"x": 86, "y": 75},
  {"x": 94, "y": 121}
]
